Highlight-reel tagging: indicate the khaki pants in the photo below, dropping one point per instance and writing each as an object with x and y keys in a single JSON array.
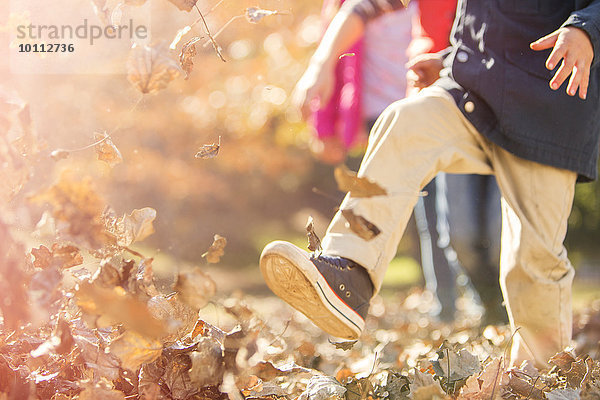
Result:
[{"x": 418, "y": 137}]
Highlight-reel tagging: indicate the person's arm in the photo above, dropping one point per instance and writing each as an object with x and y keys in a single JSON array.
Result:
[
  {"x": 573, "y": 47},
  {"x": 348, "y": 25}
]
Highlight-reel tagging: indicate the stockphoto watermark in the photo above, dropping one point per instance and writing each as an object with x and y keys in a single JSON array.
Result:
[
  {"x": 49, "y": 34},
  {"x": 75, "y": 37}
]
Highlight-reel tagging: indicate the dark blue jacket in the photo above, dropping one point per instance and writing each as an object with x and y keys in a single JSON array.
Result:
[
  {"x": 493, "y": 67},
  {"x": 505, "y": 84}
]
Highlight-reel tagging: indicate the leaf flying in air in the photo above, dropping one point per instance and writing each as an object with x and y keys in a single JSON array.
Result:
[
  {"x": 216, "y": 250},
  {"x": 150, "y": 69},
  {"x": 186, "y": 57},
  {"x": 209, "y": 150},
  {"x": 254, "y": 15},
  {"x": 314, "y": 243},
  {"x": 347, "y": 181},
  {"x": 106, "y": 150}
]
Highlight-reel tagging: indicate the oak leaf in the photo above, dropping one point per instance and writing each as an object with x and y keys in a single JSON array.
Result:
[
  {"x": 348, "y": 181},
  {"x": 150, "y": 69},
  {"x": 184, "y": 5},
  {"x": 216, "y": 250},
  {"x": 106, "y": 150},
  {"x": 359, "y": 225}
]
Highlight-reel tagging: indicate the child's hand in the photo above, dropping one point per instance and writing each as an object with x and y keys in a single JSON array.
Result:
[
  {"x": 574, "y": 47},
  {"x": 423, "y": 70},
  {"x": 314, "y": 89}
]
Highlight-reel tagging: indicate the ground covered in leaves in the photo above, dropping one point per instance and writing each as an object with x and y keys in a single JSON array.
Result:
[{"x": 86, "y": 319}]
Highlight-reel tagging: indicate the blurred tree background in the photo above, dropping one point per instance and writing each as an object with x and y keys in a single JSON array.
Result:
[{"x": 261, "y": 185}]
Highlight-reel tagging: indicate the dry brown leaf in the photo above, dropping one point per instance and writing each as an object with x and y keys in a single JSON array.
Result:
[
  {"x": 106, "y": 150},
  {"x": 344, "y": 345},
  {"x": 455, "y": 364},
  {"x": 266, "y": 371},
  {"x": 134, "y": 350},
  {"x": 195, "y": 288},
  {"x": 562, "y": 360},
  {"x": 489, "y": 385},
  {"x": 216, "y": 250},
  {"x": 207, "y": 363},
  {"x": 358, "y": 389},
  {"x": 184, "y": 5},
  {"x": 577, "y": 373},
  {"x": 118, "y": 307},
  {"x": 92, "y": 347},
  {"x": 209, "y": 150},
  {"x": 360, "y": 225},
  {"x": 314, "y": 243},
  {"x": 42, "y": 257},
  {"x": 524, "y": 388},
  {"x": 150, "y": 69},
  {"x": 348, "y": 181},
  {"x": 77, "y": 208},
  {"x": 66, "y": 255},
  {"x": 186, "y": 57},
  {"x": 132, "y": 228},
  {"x": 62, "y": 256}
]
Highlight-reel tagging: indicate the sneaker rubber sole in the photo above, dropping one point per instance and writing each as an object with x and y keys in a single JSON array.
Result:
[{"x": 291, "y": 275}]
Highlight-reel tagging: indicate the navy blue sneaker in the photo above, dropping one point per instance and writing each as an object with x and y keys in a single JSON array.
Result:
[{"x": 333, "y": 292}]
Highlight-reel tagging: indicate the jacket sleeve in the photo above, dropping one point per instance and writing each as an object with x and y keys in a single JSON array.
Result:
[
  {"x": 371, "y": 9},
  {"x": 588, "y": 19}
]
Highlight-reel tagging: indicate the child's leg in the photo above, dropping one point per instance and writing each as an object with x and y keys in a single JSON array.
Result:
[
  {"x": 411, "y": 141},
  {"x": 535, "y": 273}
]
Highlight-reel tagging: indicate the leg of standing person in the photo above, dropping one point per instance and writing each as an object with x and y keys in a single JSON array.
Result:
[
  {"x": 474, "y": 221},
  {"x": 440, "y": 277}
]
